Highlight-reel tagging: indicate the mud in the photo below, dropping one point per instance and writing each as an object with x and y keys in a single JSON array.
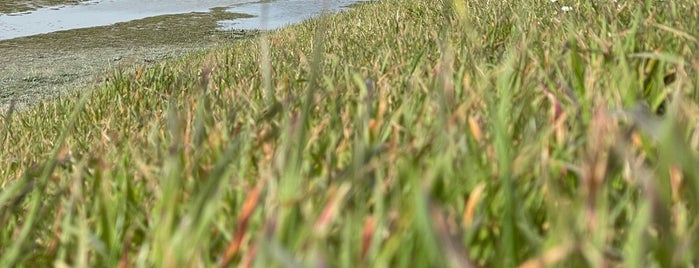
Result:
[
  {"x": 41, "y": 67},
  {"x": 16, "y": 6}
]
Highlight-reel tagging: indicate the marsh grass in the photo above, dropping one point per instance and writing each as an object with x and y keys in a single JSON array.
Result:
[{"x": 397, "y": 134}]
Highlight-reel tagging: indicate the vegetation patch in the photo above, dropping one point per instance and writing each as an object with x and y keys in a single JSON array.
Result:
[
  {"x": 35, "y": 68},
  {"x": 402, "y": 133},
  {"x": 15, "y": 6},
  {"x": 175, "y": 29}
]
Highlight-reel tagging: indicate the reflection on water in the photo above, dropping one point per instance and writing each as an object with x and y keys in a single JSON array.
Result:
[{"x": 105, "y": 12}]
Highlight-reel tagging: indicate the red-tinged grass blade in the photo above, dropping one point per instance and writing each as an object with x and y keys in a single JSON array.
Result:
[
  {"x": 249, "y": 206},
  {"x": 368, "y": 232},
  {"x": 330, "y": 211}
]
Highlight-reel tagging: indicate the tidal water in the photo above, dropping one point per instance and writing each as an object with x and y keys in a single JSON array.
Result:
[
  {"x": 269, "y": 14},
  {"x": 275, "y": 14}
]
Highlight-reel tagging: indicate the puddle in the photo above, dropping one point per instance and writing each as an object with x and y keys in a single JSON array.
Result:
[
  {"x": 270, "y": 15},
  {"x": 106, "y": 12}
]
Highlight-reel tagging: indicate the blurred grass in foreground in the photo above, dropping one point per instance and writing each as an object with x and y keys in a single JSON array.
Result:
[{"x": 398, "y": 134}]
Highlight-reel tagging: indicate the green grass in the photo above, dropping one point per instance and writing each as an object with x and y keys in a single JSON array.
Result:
[{"x": 399, "y": 134}]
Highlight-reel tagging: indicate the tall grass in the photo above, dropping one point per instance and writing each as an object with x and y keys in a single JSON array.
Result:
[{"x": 397, "y": 134}]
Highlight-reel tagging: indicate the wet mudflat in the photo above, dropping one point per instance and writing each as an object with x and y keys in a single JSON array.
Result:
[
  {"x": 17, "y": 6},
  {"x": 41, "y": 67},
  {"x": 96, "y": 13}
]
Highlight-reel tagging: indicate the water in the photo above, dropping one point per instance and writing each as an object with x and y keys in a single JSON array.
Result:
[
  {"x": 276, "y": 14},
  {"x": 106, "y": 12}
]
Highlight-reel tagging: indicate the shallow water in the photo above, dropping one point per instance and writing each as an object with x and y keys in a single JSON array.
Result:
[
  {"x": 275, "y": 14},
  {"x": 272, "y": 14}
]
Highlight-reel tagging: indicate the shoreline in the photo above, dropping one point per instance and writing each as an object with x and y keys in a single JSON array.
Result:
[
  {"x": 15, "y": 7},
  {"x": 43, "y": 67}
]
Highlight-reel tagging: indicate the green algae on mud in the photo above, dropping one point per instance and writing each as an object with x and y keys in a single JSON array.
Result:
[
  {"x": 14, "y": 6},
  {"x": 41, "y": 67}
]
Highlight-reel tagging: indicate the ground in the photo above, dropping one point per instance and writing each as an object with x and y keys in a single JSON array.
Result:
[
  {"x": 13, "y": 6},
  {"x": 42, "y": 67}
]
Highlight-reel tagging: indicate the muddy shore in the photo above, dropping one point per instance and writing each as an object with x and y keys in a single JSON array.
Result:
[
  {"x": 15, "y": 6},
  {"x": 41, "y": 67}
]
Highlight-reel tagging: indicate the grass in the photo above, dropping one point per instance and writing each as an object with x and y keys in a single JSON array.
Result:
[
  {"x": 398, "y": 134},
  {"x": 39, "y": 68}
]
